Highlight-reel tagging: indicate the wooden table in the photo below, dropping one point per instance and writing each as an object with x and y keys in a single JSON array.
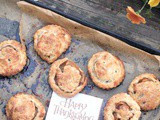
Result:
[{"x": 111, "y": 15}]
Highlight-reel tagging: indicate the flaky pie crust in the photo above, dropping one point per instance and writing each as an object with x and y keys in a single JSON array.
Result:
[
  {"x": 12, "y": 57},
  {"x": 106, "y": 70},
  {"x": 121, "y": 107},
  {"x": 66, "y": 78},
  {"x": 145, "y": 90},
  {"x": 51, "y": 41},
  {"x": 23, "y": 106}
]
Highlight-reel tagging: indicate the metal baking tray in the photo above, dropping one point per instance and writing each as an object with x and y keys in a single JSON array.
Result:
[{"x": 33, "y": 78}]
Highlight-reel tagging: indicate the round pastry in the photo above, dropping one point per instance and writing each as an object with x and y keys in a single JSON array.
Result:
[
  {"x": 24, "y": 107},
  {"x": 66, "y": 78},
  {"x": 106, "y": 70},
  {"x": 12, "y": 57},
  {"x": 145, "y": 90},
  {"x": 51, "y": 41},
  {"x": 121, "y": 107}
]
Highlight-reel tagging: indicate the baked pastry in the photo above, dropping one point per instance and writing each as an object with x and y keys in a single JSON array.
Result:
[
  {"x": 145, "y": 90},
  {"x": 24, "y": 107},
  {"x": 121, "y": 107},
  {"x": 66, "y": 78},
  {"x": 51, "y": 41},
  {"x": 106, "y": 70},
  {"x": 12, "y": 57}
]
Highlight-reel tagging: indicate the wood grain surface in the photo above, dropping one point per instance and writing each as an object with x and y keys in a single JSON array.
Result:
[{"x": 111, "y": 15}]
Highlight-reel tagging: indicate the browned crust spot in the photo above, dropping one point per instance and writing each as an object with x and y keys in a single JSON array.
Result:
[{"x": 66, "y": 78}]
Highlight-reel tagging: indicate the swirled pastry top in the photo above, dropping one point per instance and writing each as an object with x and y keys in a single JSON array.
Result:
[
  {"x": 66, "y": 78},
  {"x": 121, "y": 107},
  {"x": 12, "y": 57},
  {"x": 145, "y": 90},
  {"x": 24, "y": 107},
  {"x": 106, "y": 70},
  {"x": 51, "y": 41}
]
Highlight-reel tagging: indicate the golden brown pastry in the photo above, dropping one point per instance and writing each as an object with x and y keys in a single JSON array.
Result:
[
  {"x": 145, "y": 90},
  {"x": 51, "y": 41},
  {"x": 106, "y": 70},
  {"x": 121, "y": 107},
  {"x": 66, "y": 78},
  {"x": 24, "y": 107},
  {"x": 12, "y": 57}
]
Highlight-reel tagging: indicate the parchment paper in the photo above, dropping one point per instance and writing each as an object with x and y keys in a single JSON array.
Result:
[{"x": 85, "y": 42}]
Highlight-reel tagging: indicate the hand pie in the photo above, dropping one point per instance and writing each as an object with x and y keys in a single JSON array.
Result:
[
  {"x": 51, "y": 41},
  {"x": 66, "y": 78},
  {"x": 106, "y": 70},
  {"x": 24, "y": 107},
  {"x": 121, "y": 107},
  {"x": 145, "y": 90},
  {"x": 12, "y": 57}
]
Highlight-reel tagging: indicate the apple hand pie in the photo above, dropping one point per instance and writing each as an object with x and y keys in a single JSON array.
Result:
[
  {"x": 145, "y": 90},
  {"x": 106, "y": 70},
  {"x": 12, "y": 57},
  {"x": 51, "y": 41},
  {"x": 24, "y": 107},
  {"x": 121, "y": 107},
  {"x": 66, "y": 78}
]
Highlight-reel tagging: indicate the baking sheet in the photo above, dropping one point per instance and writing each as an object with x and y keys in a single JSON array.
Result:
[{"x": 85, "y": 42}]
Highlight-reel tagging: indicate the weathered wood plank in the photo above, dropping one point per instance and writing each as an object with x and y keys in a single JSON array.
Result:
[{"x": 110, "y": 14}]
